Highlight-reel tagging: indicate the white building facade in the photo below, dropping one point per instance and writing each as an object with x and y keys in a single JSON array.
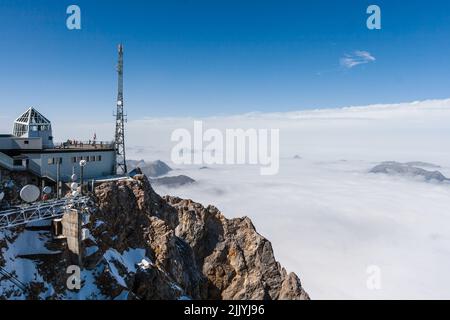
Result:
[{"x": 31, "y": 148}]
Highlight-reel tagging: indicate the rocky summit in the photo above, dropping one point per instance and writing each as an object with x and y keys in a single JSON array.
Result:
[{"x": 143, "y": 246}]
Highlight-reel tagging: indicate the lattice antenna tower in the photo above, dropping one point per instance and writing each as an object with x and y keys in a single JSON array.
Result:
[{"x": 121, "y": 164}]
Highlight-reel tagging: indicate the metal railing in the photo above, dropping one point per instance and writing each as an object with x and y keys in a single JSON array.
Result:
[
  {"x": 38, "y": 211},
  {"x": 74, "y": 144}
]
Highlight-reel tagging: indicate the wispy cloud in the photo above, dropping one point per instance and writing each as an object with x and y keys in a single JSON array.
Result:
[{"x": 356, "y": 58}]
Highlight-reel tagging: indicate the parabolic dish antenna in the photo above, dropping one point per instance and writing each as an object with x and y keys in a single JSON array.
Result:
[
  {"x": 47, "y": 190},
  {"x": 74, "y": 177},
  {"x": 74, "y": 186},
  {"x": 30, "y": 193}
]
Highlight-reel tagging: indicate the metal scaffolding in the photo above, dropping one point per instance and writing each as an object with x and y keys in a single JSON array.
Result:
[{"x": 38, "y": 211}]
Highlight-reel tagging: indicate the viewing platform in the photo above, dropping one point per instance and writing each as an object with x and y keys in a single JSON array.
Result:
[{"x": 84, "y": 145}]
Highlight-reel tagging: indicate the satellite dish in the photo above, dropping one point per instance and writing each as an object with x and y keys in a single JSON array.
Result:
[
  {"x": 75, "y": 194},
  {"x": 47, "y": 190},
  {"x": 74, "y": 186},
  {"x": 2, "y": 195},
  {"x": 83, "y": 163},
  {"x": 30, "y": 193},
  {"x": 119, "y": 103},
  {"x": 74, "y": 177}
]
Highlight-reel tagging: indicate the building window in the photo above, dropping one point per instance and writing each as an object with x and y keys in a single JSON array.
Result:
[
  {"x": 52, "y": 161},
  {"x": 20, "y": 129},
  {"x": 99, "y": 158},
  {"x": 92, "y": 158},
  {"x": 26, "y": 142},
  {"x": 74, "y": 159},
  {"x": 17, "y": 162}
]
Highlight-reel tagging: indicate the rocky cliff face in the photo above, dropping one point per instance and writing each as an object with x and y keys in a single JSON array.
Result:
[
  {"x": 147, "y": 247},
  {"x": 237, "y": 262}
]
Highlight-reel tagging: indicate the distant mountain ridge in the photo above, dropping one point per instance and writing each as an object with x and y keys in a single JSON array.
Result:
[
  {"x": 171, "y": 182},
  {"x": 152, "y": 169},
  {"x": 411, "y": 169}
]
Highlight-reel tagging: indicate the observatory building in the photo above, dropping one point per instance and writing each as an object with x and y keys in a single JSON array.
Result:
[{"x": 31, "y": 149}]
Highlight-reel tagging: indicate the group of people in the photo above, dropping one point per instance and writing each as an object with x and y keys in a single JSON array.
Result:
[
  {"x": 81, "y": 144},
  {"x": 75, "y": 143}
]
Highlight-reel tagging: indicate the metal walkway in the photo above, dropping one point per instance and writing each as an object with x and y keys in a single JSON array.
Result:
[{"x": 38, "y": 211}]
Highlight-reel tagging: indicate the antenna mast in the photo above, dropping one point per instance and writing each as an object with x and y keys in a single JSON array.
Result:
[{"x": 121, "y": 165}]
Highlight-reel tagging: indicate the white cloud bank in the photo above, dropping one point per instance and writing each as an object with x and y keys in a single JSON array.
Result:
[{"x": 326, "y": 216}]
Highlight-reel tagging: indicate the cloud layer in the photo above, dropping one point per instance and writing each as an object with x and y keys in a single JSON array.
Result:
[{"x": 328, "y": 218}]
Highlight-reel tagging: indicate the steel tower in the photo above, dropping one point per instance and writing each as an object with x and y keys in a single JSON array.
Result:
[{"x": 121, "y": 164}]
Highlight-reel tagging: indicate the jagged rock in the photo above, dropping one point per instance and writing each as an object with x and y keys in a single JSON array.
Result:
[
  {"x": 291, "y": 289},
  {"x": 238, "y": 262},
  {"x": 147, "y": 247}
]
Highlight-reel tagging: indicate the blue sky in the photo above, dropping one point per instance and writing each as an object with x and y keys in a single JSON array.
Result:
[{"x": 200, "y": 58}]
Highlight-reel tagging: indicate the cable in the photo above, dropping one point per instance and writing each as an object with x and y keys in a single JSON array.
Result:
[{"x": 14, "y": 280}]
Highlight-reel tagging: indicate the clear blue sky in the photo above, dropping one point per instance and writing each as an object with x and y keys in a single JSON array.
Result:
[{"x": 219, "y": 56}]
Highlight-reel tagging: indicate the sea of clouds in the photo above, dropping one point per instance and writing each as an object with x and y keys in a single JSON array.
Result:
[{"x": 327, "y": 217}]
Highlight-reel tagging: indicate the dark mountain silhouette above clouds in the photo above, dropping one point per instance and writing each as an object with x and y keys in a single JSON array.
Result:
[
  {"x": 151, "y": 169},
  {"x": 410, "y": 169}
]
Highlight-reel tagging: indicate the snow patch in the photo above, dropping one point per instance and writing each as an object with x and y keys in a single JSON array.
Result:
[{"x": 130, "y": 259}]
